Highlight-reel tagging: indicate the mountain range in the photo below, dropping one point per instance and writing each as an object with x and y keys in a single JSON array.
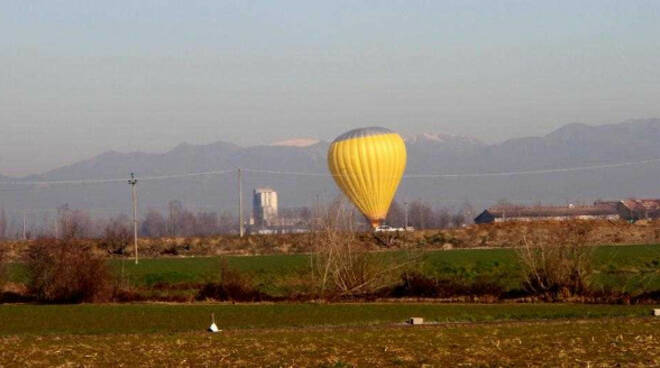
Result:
[{"x": 569, "y": 147}]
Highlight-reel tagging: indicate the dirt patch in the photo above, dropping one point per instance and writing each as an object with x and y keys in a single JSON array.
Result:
[{"x": 496, "y": 235}]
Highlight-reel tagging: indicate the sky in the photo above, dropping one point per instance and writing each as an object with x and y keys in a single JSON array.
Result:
[{"x": 78, "y": 78}]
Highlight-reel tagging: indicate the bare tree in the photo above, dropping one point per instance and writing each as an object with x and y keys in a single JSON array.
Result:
[
  {"x": 468, "y": 212},
  {"x": 396, "y": 215},
  {"x": 187, "y": 223},
  {"x": 442, "y": 218},
  {"x": 458, "y": 219},
  {"x": 340, "y": 265},
  {"x": 174, "y": 208},
  {"x": 559, "y": 263},
  {"x": 227, "y": 223},
  {"x": 3, "y": 223},
  {"x": 73, "y": 223},
  {"x": 299, "y": 216},
  {"x": 206, "y": 223},
  {"x": 420, "y": 215},
  {"x": 118, "y": 235},
  {"x": 154, "y": 225},
  {"x": 305, "y": 215},
  {"x": 46, "y": 229}
]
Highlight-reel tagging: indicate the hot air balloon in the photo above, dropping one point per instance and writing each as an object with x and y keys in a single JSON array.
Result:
[{"x": 367, "y": 165}]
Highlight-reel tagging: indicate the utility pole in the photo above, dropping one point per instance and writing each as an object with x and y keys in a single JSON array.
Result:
[
  {"x": 241, "y": 230},
  {"x": 317, "y": 211},
  {"x": 24, "y": 225},
  {"x": 133, "y": 182}
]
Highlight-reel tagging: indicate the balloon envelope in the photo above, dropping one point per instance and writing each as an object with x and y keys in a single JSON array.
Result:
[{"x": 367, "y": 165}]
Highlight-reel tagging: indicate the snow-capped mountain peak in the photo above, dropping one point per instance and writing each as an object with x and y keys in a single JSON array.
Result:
[{"x": 297, "y": 142}]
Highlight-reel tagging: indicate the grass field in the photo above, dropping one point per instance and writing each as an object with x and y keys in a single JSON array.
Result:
[
  {"x": 331, "y": 335},
  {"x": 622, "y": 268},
  {"x": 140, "y": 318},
  {"x": 631, "y": 269},
  {"x": 341, "y": 335}
]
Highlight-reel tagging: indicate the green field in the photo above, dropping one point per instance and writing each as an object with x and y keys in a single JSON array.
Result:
[
  {"x": 150, "y": 318},
  {"x": 330, "y": 335},
  {"x": 631, "y": 269}
]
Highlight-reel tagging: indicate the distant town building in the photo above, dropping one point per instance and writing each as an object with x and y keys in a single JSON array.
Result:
[
  {"x": 630, "y": 209},
  {"x": 264, "y": 207}
]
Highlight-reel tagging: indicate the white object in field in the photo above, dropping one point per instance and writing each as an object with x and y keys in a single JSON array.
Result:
[
  {"x": 656, "y": 312},
  {"x": 416, "y": 321},
  {"x": 213, "y": 327},
  {"x": 387, "y": 229}
]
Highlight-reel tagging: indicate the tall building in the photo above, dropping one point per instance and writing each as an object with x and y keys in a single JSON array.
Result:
[{"x": 264, "y": 206}]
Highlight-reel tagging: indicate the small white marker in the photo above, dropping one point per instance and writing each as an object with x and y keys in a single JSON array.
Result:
[
  {"x": 213, "y": 327},
  {"x": 656, "y": 312}
]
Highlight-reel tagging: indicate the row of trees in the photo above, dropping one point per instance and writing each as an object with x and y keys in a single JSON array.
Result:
[
  {"x": 70, "y": 223},
  {"x": 180, "y": 221},
  {"x": 421, "y": 215}
]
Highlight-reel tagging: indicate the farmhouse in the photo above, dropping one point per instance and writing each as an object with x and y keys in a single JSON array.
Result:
[
  {"x": 638, "y": 209},
  {"x": 629, "y": 209},
  {"x": 535, "y": 213}
]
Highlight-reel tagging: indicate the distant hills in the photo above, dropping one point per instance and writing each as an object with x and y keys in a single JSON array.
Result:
[{"x": 573, "y": 145}]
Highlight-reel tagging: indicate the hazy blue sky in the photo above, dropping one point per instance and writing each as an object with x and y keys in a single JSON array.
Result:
[{"x": 81, "y": 77}]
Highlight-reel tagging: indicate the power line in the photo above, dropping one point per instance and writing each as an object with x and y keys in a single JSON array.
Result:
[
  {"x": 299, "y": 173},
  {"x": 59, "y": 182},
  {"x": 535, "y": 172},
  {"x": 506, "y": 173},
  {"x": 105, "y": 181},
  {"x": 296, "y": 173},
  {"x": 205, "y": 173}
]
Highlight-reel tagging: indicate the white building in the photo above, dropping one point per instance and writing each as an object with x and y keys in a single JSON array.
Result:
[{"x": 264, "y": 206}]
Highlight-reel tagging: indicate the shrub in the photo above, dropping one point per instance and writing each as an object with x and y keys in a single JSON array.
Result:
[
  {"x": 66, "y": 271},
  {"x": 559, "y": 264},
  {"x": 3, "y": 264},
  {"x": 340, "y": 265},
  {"x": 416, "y": 284}
]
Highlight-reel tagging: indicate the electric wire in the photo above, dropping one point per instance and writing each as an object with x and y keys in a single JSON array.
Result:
[{"x": 302, "y": 173}]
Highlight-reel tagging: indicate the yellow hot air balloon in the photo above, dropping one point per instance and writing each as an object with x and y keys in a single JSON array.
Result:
[{"x": 367, "y": 165}]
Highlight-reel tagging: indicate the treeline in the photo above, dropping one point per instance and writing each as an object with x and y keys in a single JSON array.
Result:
[
  {"x": 421, "y": 215},
  {"x": 177, "y": 220},
  {"x": 68, "y": 223}
]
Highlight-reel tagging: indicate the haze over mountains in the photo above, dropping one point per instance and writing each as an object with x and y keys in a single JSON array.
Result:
[{"x": 573, "y": 145}]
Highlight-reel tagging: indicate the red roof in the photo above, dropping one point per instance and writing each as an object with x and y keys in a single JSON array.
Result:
[
  {"x": 642, "y": 204},
  {"x": 553, "y": 211}
]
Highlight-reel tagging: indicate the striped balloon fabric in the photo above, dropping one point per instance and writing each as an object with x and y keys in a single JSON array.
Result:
[{"x": 367, "y": 165}]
